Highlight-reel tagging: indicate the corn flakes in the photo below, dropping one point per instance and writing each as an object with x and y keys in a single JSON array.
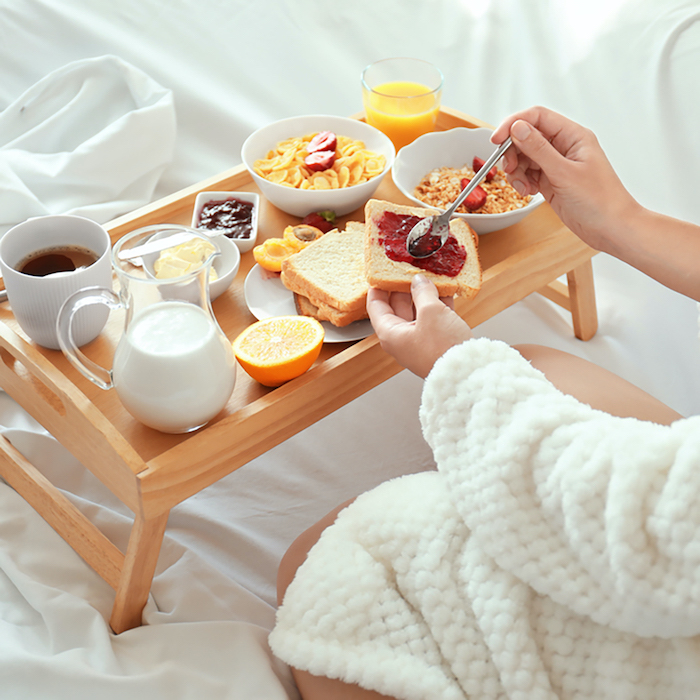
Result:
[{"x": 353, "y": 165}]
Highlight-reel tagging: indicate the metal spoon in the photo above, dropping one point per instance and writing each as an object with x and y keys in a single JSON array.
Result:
[{"x": 430, "y": 233}]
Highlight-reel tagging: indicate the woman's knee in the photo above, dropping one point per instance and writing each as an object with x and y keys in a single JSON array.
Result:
[{"x": 596, "y": 386}]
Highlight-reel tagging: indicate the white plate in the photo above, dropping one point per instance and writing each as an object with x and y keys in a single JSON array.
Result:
[{"x": 267, "y": 296}]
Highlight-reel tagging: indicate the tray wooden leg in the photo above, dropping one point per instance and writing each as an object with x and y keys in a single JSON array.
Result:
[
  {"x": 582, "y": 296},
  {"x": 129, "y": 575},
  {"x": 578, "y": 297},
  {"x": 136, "y": 576},
  {"x": 48, "y": 501}
]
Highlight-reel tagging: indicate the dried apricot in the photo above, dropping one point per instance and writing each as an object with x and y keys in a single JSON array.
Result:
[
  {"x": 271, "y": 253},
  {"x": 301, "y": 235}
]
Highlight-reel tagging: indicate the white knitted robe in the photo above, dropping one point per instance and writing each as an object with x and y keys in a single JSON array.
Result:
[{"x": 554, "y": 554}]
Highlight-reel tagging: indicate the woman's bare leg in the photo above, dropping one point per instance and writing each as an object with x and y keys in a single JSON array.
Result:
[
  {"x": 313, "y": 687},
  {"x": 584, "y": 380},
  {"x": 296, "y": 554},
  {"x": 596, "y": 386}
]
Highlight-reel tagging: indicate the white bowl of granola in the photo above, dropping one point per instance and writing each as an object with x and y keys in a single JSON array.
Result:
[{"x": 430, "y": 172}]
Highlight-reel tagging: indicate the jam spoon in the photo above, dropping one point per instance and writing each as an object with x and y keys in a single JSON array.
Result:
[{"x": 430, "y": 233}]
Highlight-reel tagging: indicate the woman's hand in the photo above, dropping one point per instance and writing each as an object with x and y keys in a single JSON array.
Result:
[
  {"x": 416, "y": 328},
  {"x": 564, "y": 161}
]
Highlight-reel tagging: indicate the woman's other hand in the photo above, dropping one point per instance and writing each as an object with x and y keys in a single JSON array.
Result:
[{"x": 416, "y": 328}]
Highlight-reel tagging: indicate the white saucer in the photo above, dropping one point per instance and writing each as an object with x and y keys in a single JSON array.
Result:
[{"x": 267, "y": 296}]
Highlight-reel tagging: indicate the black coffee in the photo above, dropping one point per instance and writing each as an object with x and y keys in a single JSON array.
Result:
[{"x": 50, "y": 260}]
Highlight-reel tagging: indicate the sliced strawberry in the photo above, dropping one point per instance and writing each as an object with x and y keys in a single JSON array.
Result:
[
  {"x": 476, "y": 199},
  {"x": 323, "y": 141},
  {"x": 323, "y": 220},
  {"x": 320, "y": 160},
  {"x": 478, "y": 164}
]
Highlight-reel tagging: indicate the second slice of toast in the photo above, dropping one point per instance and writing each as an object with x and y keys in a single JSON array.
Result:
[
  {"x": 330, "y": 271},
  {"x": 324, "y": 312}
]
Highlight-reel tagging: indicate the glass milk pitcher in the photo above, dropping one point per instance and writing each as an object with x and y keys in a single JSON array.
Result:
[{"x": 173, "y": 367}]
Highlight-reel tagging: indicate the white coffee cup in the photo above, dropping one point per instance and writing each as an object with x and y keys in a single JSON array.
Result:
[{"x": 36, "y": 300}]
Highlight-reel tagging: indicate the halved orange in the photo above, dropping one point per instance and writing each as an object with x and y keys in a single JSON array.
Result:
[{"x": 278, "y": 349}]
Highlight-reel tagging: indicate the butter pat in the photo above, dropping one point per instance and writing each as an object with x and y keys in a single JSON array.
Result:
[{"x": 183, "y": 258}]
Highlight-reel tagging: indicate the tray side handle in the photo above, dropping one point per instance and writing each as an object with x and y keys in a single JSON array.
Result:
[{"x": 62, "y": 409}]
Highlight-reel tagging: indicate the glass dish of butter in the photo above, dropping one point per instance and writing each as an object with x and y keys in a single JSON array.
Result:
[{"x": 183, "y": 258}]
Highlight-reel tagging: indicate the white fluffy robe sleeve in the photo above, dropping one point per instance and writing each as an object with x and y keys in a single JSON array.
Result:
[
  {"x": 555, "y": 553},
  {"x": 601, "y": 514}
]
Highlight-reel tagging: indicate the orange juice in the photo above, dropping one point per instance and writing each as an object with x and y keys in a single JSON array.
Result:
[{"x": 402, "y": 110}]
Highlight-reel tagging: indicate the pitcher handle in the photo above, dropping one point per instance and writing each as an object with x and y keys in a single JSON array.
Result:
[{"x": 64, "y": 328}]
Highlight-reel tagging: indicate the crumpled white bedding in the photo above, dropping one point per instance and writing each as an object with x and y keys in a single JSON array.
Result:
[
  {"x": 107, "y": 166},
  {"x": 626, "y": 68},
  {"x": 54, "y": 638},
  {"x": 555, "y": 553}
]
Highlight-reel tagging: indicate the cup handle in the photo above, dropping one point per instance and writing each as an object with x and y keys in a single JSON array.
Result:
[{"x": 64, "y": 329}]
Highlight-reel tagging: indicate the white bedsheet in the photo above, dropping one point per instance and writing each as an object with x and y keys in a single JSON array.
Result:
[
  {"x": 111, "y": 164},
  {"x": 626, "y": 68}
]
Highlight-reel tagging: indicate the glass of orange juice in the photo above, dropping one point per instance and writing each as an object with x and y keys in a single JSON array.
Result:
[{"x": 401, "y": 97}]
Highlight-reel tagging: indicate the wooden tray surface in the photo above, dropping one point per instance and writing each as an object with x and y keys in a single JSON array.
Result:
[{"x": 93, "y": 424}]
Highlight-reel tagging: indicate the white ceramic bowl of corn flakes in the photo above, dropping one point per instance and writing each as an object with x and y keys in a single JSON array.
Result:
[
  {"x": 225, "y": 265},
  {"x": 293, "y": 197},
  {"x": 455, "y": 149}
]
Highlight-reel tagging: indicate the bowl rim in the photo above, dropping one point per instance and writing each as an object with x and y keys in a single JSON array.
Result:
[
  {"x": 248, "y": 161},
  {"x": 535, "y": 200}
]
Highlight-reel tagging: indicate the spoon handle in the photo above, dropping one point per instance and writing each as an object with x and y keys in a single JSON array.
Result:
[
  {"x": 438, "y": 226},
  {"x": 478, "y": 177}
]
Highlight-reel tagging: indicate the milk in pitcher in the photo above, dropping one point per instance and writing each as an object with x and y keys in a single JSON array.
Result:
[{"x": 172, "y": 370}]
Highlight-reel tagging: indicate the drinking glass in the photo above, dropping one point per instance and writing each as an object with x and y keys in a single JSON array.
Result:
[{"x": 401, "y": 97}]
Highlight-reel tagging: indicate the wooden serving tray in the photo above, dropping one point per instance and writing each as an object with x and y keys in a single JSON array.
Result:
[{"x": 151, "y": 472}]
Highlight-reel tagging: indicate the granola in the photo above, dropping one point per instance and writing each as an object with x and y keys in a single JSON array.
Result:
[{"x": 440, "y": 187}]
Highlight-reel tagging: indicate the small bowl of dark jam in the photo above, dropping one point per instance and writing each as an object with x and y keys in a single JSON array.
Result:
[{"x": 233, "y": 213}]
